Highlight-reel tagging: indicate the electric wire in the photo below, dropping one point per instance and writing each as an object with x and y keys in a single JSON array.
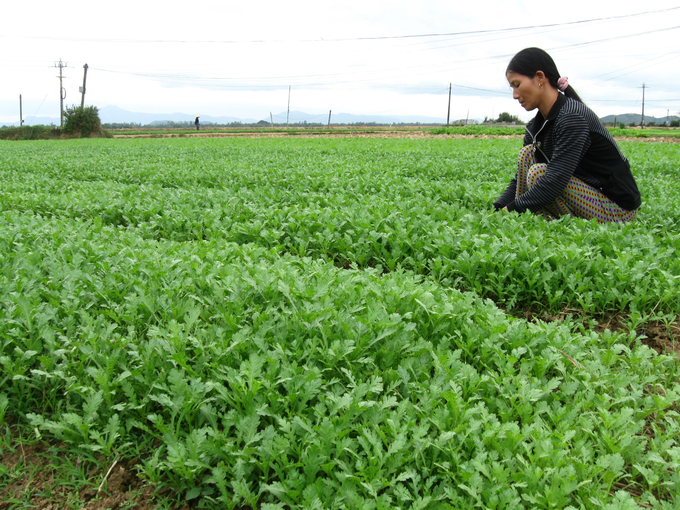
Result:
[
  {"x": 355, "y": 74},
  {"x": 348, "y": 39},
  {"x": 402, "y": 71}
]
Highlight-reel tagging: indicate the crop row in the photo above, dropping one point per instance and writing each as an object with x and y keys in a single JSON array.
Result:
[
  {"x": 426, "y": 210},
  {"x": 247, "y": 377},
  {"x": 287, "y": 324}
]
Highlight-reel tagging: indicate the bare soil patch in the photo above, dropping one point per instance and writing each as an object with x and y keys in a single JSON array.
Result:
[
  {"x": 664, "y": 139},
  {"x": 376, "y": 132},
  {"x": 663, "y": 337},
  {"x": 39, "y": 475},
  {"x": 342, "y": 134}
]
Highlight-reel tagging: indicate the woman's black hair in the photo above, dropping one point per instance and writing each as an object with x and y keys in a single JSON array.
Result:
[{"x": 531, "y": 60}]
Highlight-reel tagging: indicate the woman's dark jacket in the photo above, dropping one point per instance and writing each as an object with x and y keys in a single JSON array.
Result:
[{"x": 573, "y": 141}]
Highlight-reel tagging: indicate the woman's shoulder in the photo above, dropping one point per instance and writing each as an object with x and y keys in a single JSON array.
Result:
[
  {"x": 572, "y": 107},
  {"x": 574, "y": 113},
  {"x": 577, "y": 117}
]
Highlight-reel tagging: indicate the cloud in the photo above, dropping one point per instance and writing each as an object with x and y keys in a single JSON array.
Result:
[{"x": 366, "y": 56}]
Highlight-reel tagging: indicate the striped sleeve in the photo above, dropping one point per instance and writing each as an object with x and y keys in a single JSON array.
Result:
[
  {"x": 569, "y": 141},
  {"x": 507, "y": 196}
]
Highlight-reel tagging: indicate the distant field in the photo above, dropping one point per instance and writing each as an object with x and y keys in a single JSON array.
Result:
[
  {"x": 207, "y": 131},
  {"x": 377, "y": 131},
  {"x": 330, "y": 323}
]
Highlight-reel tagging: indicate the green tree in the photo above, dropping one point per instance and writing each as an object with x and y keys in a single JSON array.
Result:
[
  {"x": 506, "y": 117},
  {"x": 83, "y": 121}
]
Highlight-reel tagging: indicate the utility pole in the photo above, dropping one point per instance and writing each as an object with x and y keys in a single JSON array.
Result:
[
  {"x": 271, "y": 118},
  {"x": 288, "y": 114},
  {"x": 82, "y": 101},
  {"x": 21, "y": 113},
  {"x": 448, "y": 113},
  {"x": 642, "y": 121},
  {"x": 329, "y": 118},
  {"x": 62, "y": 92}
]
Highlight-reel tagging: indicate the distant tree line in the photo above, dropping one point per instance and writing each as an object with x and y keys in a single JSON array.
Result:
[{"x": 504, "y": 118}]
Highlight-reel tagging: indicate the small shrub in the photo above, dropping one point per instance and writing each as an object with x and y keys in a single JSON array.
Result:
[
  {"x": 505, "y": 117},
  {"x": 83, "y": 121}
]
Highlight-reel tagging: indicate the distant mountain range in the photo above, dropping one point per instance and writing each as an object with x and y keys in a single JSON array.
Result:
[
  {"x": 35, "y": 121},
  {"x": 116, "y": 115},
  {"x": 636, "y": 118},
  {"x": 113, "y": 114}
]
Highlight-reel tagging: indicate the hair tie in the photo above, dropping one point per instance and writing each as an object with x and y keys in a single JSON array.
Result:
[{"x": 563, "y": 83}]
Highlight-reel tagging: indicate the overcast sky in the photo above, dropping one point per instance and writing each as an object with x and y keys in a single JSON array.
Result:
[{"x": 365, "y": 57}]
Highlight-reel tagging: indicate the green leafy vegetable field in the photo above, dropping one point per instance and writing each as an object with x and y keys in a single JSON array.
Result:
[{"x": 333, "y": 323}]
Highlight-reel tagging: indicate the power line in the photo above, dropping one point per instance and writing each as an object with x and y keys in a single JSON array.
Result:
[
  {"x": 350, "y": 39},
  {"x": 530, "y": 27},
  {"x": 676, "y": 55},
  {"x": 361, "y": 74},
  {"x": 624, "y": 36},
  {"x": 440, "y": 68}
]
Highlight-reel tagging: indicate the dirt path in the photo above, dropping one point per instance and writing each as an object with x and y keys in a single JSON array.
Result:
[{"x": 358, "y": 134}]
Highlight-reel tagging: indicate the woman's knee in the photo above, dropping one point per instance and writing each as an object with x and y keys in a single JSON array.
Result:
[
  {"x": 526, "y": 151},
  {"x": 535, "y": 172}
]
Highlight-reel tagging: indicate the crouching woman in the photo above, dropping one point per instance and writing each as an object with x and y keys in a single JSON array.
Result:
[{"x": 569, "y": 164}]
